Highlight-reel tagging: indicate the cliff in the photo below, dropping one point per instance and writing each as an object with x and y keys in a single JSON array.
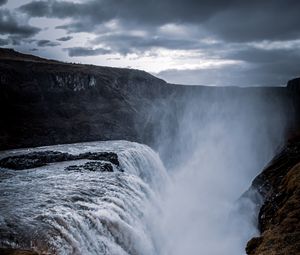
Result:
[
  {"x": 278, "y": 219},
  {"x": 47, "y": 102},
  {"x": 44, "y": 102},
  {"x": 279, "y": 186}
]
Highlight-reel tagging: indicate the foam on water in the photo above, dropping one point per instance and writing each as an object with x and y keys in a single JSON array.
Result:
[{"x": 71, "y": 212}]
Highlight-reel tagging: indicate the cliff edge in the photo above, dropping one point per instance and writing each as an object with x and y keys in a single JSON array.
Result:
[
  {"x": 278, "y": 219},
  {"x": 44, "y": 102}
]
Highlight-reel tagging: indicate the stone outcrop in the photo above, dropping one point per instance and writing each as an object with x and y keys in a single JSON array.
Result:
[
  {"x": 95, "y": 166},
  {"x": 278, "y": 220},
  {"x": 42, "y": 158}
]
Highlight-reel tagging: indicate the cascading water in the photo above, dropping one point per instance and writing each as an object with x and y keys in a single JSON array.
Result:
[
  {"x": 138, "y": 209},
  {"x": 70, "y": 212}
]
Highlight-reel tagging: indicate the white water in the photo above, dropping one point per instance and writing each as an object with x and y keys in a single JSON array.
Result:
[
  {"x": 69, "y": 212},
  {"x": 223, "y": 144},
  {"x": 141, "y": 211}
]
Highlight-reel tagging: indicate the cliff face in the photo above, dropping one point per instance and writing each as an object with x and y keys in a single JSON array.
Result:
[
  {"x": 45, "y": 102},
  {"x": 279, "y": 185}
]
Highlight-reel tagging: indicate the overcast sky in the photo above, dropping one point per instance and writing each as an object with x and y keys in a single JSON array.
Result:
[{"x": 221, "y": 42}]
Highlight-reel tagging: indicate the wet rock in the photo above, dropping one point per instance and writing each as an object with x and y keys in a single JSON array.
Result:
[
  {"x": 278, "y": 219},
  {"x": 42, "y": 158},
  {"x": 73, "y": 168},
  {"x": 108, "y": 156},
  {"x": 6, "y": 251},
  {"x": 92, "y": 166},
  {"x": 19, "y": 163},
  {"x": 253, "y": 244}
]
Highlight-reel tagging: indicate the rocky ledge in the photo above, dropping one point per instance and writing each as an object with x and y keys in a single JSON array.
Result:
[
  {"x": 93, "y": 166},
  {"x": 42, "y": 158},
  {"x": 279, "y": 216},
  {"x": 4, "y": 251}
]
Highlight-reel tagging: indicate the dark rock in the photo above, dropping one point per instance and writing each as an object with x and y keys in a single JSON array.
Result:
[
  {"x": 73, "y": 168},
  {"x": 253, "y": 244},
  {"x": 294, "y": 84},
  {"x": 92, "y": 166},
  {"x": 278, "y": 219},
  {"x": 108, "y": 156},
  {"x": 41, "y": 158},
  {"x": 7, "y": 251},
  {"x": 19, "y": 163}
]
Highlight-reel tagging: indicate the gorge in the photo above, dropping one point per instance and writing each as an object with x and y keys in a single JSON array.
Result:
[{"x": 131, "y": 164}]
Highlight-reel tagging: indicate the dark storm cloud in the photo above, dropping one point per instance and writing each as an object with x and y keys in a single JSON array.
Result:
[
  {"x": 231, "y": 20},
  {"x": 2, "y": 2},
  {"x": 83, "y": 51},
  {"x": 53, "y": 9},
  {"x": 132, "y": 10},
  {"x": 257, "y": 20},
  {"x": 65, "y": 38},
  {"x": 9, "y": 25},
  {"x": 234, "y": 24}
]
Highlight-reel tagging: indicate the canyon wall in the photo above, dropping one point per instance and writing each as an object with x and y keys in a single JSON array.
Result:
[{"x": 44, "y": 102}]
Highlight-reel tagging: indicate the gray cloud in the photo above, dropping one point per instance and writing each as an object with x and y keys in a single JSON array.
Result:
[
  {"x": 257, "y": 20},
  {"x": 2, "y": 2},
  {"x": 4, "y": 42},
  {"x": 134, "y": 10},
  {"x": 231, "y": 20},
  {"x": 83, "y": 52},
  {"x": 46, "y": 43},
  {"x": 9, "y": 25},
  {"x": 124, "y": 43},
  {"x": 56, "y": 9},
  {"x": 233, "y": 24},
  {"x": 265, "y": 56},
  {"x": 260, "y": 71},
  {"x": 65, "y": 38}
]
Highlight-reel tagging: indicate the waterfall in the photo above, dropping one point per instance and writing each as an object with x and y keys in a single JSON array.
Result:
[{"x": 69, "y": 212}]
